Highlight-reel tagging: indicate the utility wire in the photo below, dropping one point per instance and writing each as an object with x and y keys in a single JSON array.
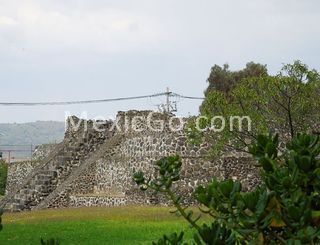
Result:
[
  {"x": 171, "y": 94},
  {"x": 78, "y": 102},
  {"x": 187, "y": 97}
]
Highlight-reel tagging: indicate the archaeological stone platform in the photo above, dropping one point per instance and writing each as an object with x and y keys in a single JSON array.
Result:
[{"x": 95, "y": 168}]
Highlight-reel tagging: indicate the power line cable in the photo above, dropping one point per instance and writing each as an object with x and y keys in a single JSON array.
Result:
[
  {"x": 171, "y": 94},
  {"x": 78, "y": 102},
  {"x": 187, "y": 97}
]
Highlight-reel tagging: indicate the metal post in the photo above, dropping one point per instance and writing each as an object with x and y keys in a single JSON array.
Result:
[
  {"x": 31, "y": 151},
  {"x": 168, "y": 100}
]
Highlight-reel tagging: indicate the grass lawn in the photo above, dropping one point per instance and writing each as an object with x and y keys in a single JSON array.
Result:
[{"x": 116, "y": 225}]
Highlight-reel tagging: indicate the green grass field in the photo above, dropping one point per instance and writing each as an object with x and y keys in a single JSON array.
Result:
[{"x": 116, "y": 225}]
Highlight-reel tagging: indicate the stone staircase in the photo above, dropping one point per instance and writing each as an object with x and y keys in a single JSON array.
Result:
[
  {"x": 35, "y": 192},
  {"x": 51, "y": 173},
  {"x": 9, "y": 200},
  {"x": 61, "y": 195}
]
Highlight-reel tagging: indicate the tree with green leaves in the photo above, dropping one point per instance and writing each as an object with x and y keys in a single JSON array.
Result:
[
  {"x": 3, "y": 177},
  {"x": 1, "y": 212},
  {"x": 284, "y": 209},
  {"x": 3, "y": 181},
  {"x": 222, "y": 79},
  {"x": 286, "y": 103}
]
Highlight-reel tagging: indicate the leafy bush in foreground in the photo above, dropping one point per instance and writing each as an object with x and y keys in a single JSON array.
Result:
[
  {"x": 285, "y": 209},
  {"x": 3, "y": 180},
  {"x": 1, "y": 212},
  {"x": 3, "y": 177}
]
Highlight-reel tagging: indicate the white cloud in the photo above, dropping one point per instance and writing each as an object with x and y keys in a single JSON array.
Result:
[
  {"x": 78, "y": 49},
  {"x": 106, "y": 30},
  {"x": 7, "y": 21}
]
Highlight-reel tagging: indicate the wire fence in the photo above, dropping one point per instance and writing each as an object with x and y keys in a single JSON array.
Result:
[{"x": 13, "y": 153}]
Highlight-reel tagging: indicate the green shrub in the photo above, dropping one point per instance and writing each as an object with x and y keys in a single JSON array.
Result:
[
  {"x": 285, "y": 209},
  {"x": 3, "y": 181},
  {"x": 1, "y": 212},
  {"x": 3, "y": 177}
]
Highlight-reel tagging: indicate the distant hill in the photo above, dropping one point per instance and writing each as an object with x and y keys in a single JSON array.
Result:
[{"x": 35, "y": 133}]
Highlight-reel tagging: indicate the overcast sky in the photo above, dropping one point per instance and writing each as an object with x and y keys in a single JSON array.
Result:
[{"x": 77, "y": 50}]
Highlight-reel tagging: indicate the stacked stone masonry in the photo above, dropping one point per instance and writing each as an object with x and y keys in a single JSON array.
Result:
[
  {"x": 17, "y": 172},
  {"x": 41, "y": 151},
  {"x": 94, "y": 166}
]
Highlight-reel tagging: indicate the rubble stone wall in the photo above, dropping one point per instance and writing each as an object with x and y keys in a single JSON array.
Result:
[
  {"x": 114, "y": 172},
  {"x": 100, "y": 164},
  {"x": 17, "y": 171},
  {"x": 96, "y": 201},
  {"x": 140, "y": 150}
]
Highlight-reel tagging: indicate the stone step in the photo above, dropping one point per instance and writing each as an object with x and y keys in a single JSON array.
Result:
[
  {"x": 24, "y": 191},
  {"x": 51, "y": 173},
  {"x": 22, "y": 199},
  {"x": 62, "y": 159},
  {"x": 70, "y": 149},
  {"x": 60, "y": 164},
  {"x": 40, "y": 188},
  {"x": 43, "y": 176}
]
